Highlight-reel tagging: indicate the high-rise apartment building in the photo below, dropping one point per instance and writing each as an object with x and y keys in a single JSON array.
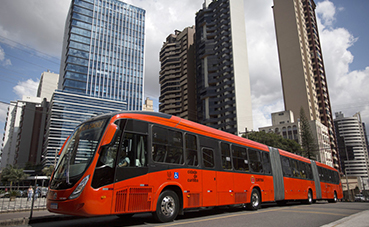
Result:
[
  {"x": 177, "y": 75},
  {"x": 103, "y": 51},
  {"x": 24, "y": 131},
  {"x": 301, "y": 64},
  {"x": 47, "y": 85},
  {"x": 352, "y": 144},
  {"x": 222, "y": 73}
]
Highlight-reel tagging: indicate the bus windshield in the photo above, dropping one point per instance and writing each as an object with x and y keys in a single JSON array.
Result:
[{"x": 78, "y": 153}]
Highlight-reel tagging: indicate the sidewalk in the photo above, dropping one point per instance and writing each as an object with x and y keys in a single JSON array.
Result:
[
  {"x": 358, "y": 220},
  {"x": 22, "y": 218}
]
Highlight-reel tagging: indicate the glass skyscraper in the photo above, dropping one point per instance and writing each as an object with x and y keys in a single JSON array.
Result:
[
  {"x": 101, "y": 70},
  {"x": 103, "y": 51}
]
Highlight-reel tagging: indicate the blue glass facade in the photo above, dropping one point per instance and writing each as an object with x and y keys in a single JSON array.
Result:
[
  {"x": 101, "y": 68},
  {"x": 103, "y": 51}
]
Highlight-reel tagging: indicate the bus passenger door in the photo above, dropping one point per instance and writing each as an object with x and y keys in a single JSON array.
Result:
[{"x": 209, "y": 187}]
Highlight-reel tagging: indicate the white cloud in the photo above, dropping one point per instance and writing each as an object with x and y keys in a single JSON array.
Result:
[
  {"x": 266, "y": 88},
  {"x": 326, "y": 11},
  {"x": 347, "y": 89},
  {"x": 28, "y": 88}
]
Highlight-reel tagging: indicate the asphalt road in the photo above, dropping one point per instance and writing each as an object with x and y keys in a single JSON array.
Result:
[{"x": 293, "y": 214}]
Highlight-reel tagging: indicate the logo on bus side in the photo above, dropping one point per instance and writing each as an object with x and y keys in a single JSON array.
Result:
[
  {"x": 169, "y": 174},
  {"x": 192, "y": 178},
  {"x": 253, "y": 179}
]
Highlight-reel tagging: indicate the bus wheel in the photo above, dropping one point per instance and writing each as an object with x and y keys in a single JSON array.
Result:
[
  {"x": 334, "y": 200},
  {"x": 255, "y": 200},
  {"x": 167, "y": 207}
]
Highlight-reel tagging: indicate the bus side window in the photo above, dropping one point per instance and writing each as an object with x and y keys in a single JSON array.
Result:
[
  {"x": 309, "y": 172},
  {"x": 159, "y": 141},
  {"x": 133, "y": 150},
  {"x": 175, "y": 147},
  {"x": 191, "y": 150},
  {"x": 287, "y": 172},
  {"x": 321, "y": 174},
  {"x": 295, "y": 170},
  {"x": 226, "y": 156},
  {"x": 208, "y": 158},
  {"x": 240, "y": 160},
  {"x": 255, "y": 162},
  {"x": 302, "y": 168},
  {"x": 167, "y": 145},
  {"x": 266, "y": 163}
]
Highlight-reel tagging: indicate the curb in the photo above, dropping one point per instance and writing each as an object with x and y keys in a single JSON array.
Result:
[{"x": 15, "y": 221}]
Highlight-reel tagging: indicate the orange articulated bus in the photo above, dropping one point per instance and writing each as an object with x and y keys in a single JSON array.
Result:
[{"x": 130, "y": 162}]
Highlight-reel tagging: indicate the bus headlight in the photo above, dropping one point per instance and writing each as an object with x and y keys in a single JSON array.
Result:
[{"x": 79, "y": 188}]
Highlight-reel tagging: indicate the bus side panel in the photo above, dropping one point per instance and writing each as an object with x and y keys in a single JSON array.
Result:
[
  {"x": 268, "y": 191},
  {"x": 242, "y": 184},
  {"x": 324, "y": 189},
  {"x": 277, "y": 174},
  {"x": 209, "y": 188},
  {"x": 225, "y": 188},
  {"x": 317, "y": 181},
  {"x": 297, "y": 189},
  {"x": 290, "y": 188}
]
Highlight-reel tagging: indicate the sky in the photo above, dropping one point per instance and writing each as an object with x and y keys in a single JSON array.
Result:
[{"x": 31, "y": 33}]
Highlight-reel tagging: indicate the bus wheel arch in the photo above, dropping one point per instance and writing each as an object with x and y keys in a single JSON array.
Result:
[
  {"x": 335, "y": 199},
  {"x": 255, "y": 199},
  {"x": 168, "y": 204},
  {"x": 309, "y": 197}
]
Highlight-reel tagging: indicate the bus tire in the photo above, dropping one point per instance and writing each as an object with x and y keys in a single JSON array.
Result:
[
  {"x": 167, "y": 207},
  {"x": 255, "y": 200},
  {"x": 334, "y": 200}
]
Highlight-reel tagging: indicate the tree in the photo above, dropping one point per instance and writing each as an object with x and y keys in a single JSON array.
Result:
[
  {"x": 275, "y": 140},
  {"x": 12, "y": 174},
  {"x": 308, "y": 142},
  {"x": 48, "y": 170}
]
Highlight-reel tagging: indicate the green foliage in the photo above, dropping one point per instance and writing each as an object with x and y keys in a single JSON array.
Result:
[
  {"x": 12, "y": 175},
  {"x": 308, "y": 142},
  {"x": 48, "y": 170},
  {"x": 275, "y": 140}
]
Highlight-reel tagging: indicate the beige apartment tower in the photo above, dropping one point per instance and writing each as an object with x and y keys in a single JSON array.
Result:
[
  {"x": 177, "y": 75},
  {"x": 301, "y": 63}
]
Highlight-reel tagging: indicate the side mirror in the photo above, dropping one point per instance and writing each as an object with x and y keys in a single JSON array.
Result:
[{"x": 109, "y": 134}]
